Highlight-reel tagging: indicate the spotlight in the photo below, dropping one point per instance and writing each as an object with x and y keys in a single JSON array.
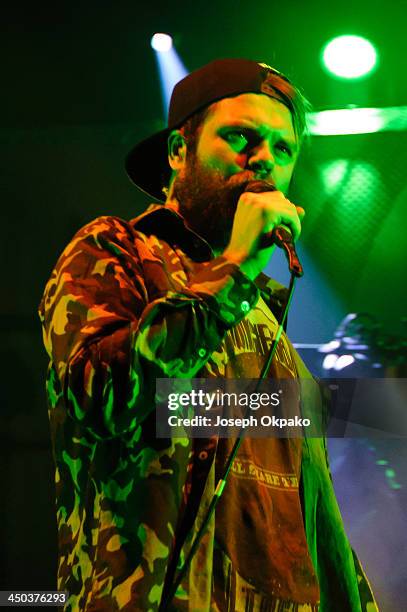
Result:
[
  {"x": 170, "y": 66},
  {"x": 349, "y": 57},
  {"x": 161, "y": 43},
  {"x": 347, "y": 121}
]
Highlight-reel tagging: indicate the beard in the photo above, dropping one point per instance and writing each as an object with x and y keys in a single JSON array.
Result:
[{"x": 207, "y": 200}]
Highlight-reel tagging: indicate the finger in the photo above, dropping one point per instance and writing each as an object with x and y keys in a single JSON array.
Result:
[
  {"x": 294, "y": 226},
  {"x": 293, "y": 221},
  {"x": 300, "y": 212},
  {"x": 290, "y": 223}
]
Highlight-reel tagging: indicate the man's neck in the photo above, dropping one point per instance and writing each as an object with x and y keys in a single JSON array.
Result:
[{"x": 172, "y": 203}]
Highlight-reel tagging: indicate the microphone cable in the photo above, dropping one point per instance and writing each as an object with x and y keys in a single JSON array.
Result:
[{"x": 164, "y": 607}]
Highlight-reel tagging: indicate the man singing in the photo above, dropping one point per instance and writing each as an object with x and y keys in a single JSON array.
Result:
[{"x": 179, "y": 293}]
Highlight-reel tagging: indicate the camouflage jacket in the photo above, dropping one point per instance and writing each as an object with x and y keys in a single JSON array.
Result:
[{"x": 126, "y": 303}]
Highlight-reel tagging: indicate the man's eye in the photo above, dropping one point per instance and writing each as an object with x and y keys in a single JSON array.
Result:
[
  {"x": 284, "y": 148},
  {"x": 237, "y": 139}
]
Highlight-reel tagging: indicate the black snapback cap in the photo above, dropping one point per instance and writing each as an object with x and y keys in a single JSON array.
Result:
[{"x": 147, "y": 163}]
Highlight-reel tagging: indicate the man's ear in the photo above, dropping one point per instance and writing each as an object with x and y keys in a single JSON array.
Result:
[{"x": 177, "y": 150}]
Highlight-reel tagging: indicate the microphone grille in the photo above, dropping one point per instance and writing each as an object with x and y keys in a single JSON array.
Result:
[{"x": 258, "y": 186}]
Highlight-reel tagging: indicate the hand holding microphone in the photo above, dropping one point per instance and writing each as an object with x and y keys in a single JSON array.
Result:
[
  {"x": 259, "y": 208},
  {"x": 280, "y": 235}
]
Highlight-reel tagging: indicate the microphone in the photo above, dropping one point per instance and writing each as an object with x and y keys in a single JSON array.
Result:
[{"x": 279, "y": 235}]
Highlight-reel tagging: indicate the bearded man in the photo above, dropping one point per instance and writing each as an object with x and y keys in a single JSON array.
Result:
[{"x": 179, "y": 292}]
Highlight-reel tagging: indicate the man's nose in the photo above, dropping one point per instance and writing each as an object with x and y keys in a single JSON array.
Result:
[{"x": 261, "y": 162}]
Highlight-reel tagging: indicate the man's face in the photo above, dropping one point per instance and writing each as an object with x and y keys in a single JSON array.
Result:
[{"x": 250, "y": 136}]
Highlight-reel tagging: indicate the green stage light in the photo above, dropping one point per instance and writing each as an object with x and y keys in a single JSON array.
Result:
[
  {"x": 349, "y": 57},
  {"x": 357, "y": 121},
  {"x": 347, "y": 121}
]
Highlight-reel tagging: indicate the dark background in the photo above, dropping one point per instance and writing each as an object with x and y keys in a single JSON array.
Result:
[{"x": 79, "y": 85}]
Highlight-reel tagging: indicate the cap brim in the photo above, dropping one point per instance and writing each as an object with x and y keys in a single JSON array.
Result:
[{"x": 147, "y": 165}]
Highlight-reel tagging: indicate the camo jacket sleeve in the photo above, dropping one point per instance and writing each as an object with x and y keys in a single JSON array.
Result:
[{"x": 122, "y": 308}]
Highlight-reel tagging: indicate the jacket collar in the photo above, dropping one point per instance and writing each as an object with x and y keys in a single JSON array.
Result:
[{"x": 168, "y": 225}]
